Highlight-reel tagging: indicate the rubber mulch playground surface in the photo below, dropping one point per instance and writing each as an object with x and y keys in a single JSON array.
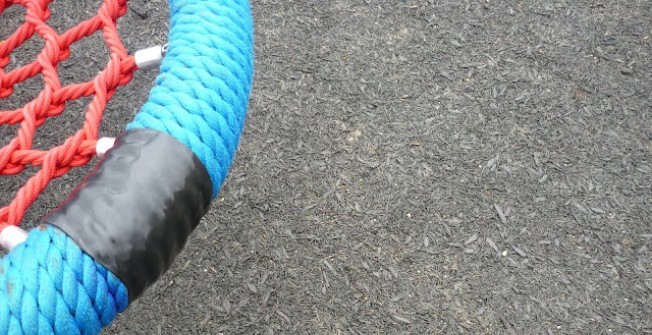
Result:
[{"x": 411, "y": 167}]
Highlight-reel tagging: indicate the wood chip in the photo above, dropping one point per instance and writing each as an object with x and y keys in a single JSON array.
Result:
[
  {"x": 491, "y": 243},
  {"x": 581, "y": 208},
  {"x": 285, "y": 317},
  {"x": 393, "y": 271},
  {"x": 447, "y": 229},
  {"x": 401, "y": 319},
  {"x": 226, "y": 305},
  {"x": 597, "y": 210},
  {"x": 501, "y": 215},
  {"x": 491, "y": 163},
  {"x": 471, "y": 239},
  {"x": 330, "y": 267},
  {"x": 519, "y": 251},
  {"x": 264, "y": 277},
  {"x": 252, "y": 288}
]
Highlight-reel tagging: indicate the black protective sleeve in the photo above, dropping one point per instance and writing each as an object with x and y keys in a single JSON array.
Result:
[{"x": 134, "y": 212}]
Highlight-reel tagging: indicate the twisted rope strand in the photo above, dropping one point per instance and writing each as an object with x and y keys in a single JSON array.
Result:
[
  {"x": 50, "y": 286},
  {"x": 202, "y": 93}
]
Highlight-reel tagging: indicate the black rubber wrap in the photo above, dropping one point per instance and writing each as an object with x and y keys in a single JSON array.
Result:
[{"x": 134, "y": 212}]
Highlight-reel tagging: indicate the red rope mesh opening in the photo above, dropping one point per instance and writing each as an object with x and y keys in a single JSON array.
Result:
[{"x": 78, "y": 149}]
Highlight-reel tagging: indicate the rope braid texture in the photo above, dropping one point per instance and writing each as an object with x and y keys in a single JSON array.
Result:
[
  {"x": 202, "y": 93},
  {"x": 47, "y": 284}
]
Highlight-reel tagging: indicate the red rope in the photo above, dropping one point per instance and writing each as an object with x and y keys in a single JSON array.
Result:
[{"x": 79, "y": 149}]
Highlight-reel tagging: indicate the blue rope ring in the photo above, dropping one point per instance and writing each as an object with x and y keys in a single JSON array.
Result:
[{"x": 49, "y": 284}]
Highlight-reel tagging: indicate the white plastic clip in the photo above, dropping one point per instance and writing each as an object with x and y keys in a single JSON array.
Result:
[
  {"x": 11, "y": 236},
  {"x": 104, "y": 144},
  {"x": 150, "y": 58}
]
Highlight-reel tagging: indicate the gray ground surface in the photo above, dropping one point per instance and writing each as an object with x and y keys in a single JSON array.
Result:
[{"x": 425, "y": 167}]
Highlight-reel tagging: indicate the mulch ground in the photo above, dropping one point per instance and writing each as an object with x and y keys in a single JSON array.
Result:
[{"x": 422, "y": 167}]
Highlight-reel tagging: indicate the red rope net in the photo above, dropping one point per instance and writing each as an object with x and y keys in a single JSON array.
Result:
[{"x": 79, "y": 149}]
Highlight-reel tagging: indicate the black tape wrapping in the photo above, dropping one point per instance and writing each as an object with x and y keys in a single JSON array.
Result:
[{"x": 134, "y": 212}]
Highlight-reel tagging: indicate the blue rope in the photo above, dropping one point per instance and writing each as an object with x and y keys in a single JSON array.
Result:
[
  {"x": 47, "y": 284},
  {"x": 202, "y": 93}
]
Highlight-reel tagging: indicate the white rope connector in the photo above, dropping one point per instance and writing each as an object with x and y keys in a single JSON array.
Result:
[
  {"x": 12, "y": 236},
  {"x": 150, "y": 58},
  {"x": 104, "y": 144}
]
